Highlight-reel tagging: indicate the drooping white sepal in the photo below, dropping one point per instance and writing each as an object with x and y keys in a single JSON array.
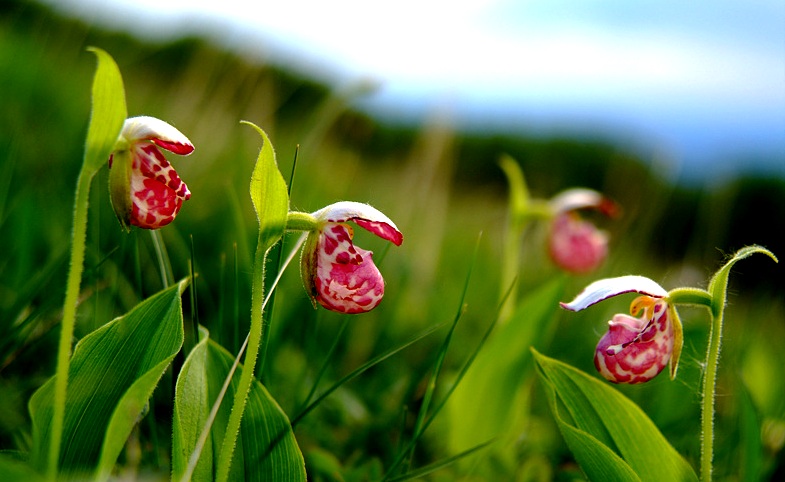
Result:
[{"x": 610, "y": 287}]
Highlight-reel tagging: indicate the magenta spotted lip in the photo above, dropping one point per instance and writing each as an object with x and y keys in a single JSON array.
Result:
[
  {"x": 337, "y": 274},
  {"x": 152, "y": 194}
]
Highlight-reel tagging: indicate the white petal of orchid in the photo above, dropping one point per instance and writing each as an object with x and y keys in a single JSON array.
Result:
[
  {"x": 161, "y": 133},
  {"x": 609, "y": 287},
  {"x": 582, "y": 198},
  {"x": 364, "y": 215}
]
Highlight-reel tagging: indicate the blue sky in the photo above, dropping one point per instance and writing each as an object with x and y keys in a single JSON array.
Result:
[{"x": 700, "y": 84}]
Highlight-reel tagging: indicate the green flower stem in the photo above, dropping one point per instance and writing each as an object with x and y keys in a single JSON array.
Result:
[
  {"x": 690, "y": 296},
  {"x": 247, "y": 376},
  {"x": 518, "y": 206},
  {"x": 78, "y": 237},
  {"x": 709, "y": 387},
  {"x": 718, "y": 292},
  {"x": 298, "y": 221}
]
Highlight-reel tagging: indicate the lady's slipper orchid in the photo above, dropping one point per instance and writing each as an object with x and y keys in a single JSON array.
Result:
[
  {"x": 145, "y": 189},
  {"x": 634, "y": 350},
  {"x": 338, "y": 275},
  {"x": 575, "y": 245}
]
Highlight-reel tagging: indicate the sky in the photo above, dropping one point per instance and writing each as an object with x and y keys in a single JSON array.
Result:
[{"x": 700, "y": 83}]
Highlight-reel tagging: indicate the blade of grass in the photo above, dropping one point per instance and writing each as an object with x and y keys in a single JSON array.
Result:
[
  {"x": 192, "y": 332},
  {"x": 442, "y": 355},
  {"x": 221, "y": 298},
  {"x": 464, "y": 369},
  {"x": 164, "y": 265},
  {"x": 423, "y": 471},
  {"x": 236, "y": 305},
  {"x": 326, "y": 362},
  {"x": 361, "y": 369}
]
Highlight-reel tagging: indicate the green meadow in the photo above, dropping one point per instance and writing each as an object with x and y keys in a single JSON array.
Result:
[{"x": 439, "y": 382}]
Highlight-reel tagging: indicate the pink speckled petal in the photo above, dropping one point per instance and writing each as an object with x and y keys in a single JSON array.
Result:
[
  {"x": 610, "y": 287},
  {"x": 157, "y": 192},
  {"x": 635, "y": 350},
  {"x": 346, "y": 279}
]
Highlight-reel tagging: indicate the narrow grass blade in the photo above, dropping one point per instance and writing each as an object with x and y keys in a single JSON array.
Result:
[
  {"x": 360, "y": 370},
  {"x": 423, "y": 471}
]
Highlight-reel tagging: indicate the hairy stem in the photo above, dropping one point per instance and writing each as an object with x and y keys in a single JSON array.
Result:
[
  {"x": 78, "y": 237},
  {"x": 709, "y": 389},
  {"x": 254, "y": 341}
]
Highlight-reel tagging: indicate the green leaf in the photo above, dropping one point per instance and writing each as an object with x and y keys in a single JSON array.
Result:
[
  {"x": 15, "y": 470},
  {"x": 719, "y": 282},
  {"x": 607, "y": 433},
  {"x": 112, "y": 374},
  {"x": 268, "y": 194},
  {"x": 108, "y": 112},
  {"x": 484, "y": 405},
  {"x": 266, "y": 446}
]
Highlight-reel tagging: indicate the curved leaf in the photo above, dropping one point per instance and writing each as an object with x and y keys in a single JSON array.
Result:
[
  {"x": 266, "y": 447},
  {"x": 719, "y": 282},
  {"x": 600, "y": 424},
  {"x": 269, "y": 194},
  {"x": 108, "y": 112},
  {"x": 112, "y": 374}
]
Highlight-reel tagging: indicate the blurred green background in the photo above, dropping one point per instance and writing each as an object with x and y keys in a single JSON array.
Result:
[{"x": 441, "y": 187}]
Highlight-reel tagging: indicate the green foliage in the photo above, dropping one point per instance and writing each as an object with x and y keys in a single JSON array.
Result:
[
  {"x": 112, "y": 374},
  {"x": 108, "y": 112},
  {"x": 267, "y": 449},
  {"x": 440, "y": 186},
  {"x": 271, "y": 202},
  {"x": 268, "y": 194},
  {"x": 491, "y": 400},
  {"x": 719, "y": 282},
  {"x": 610, "y": 436}
]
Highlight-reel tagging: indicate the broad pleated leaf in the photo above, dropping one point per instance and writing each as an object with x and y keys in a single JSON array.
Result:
[
  {"x": 266, "y": 447},
  {"x": 483, "y": 406},
  {"x": 610, "y": 436},
  {"x": 112, "y": 375}
]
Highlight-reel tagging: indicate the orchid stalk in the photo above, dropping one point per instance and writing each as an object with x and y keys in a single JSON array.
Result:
[
  {"x": 337, "y": 274},
  {"x": 635, "y": 350},
  {"x": 106, "y": 119}
]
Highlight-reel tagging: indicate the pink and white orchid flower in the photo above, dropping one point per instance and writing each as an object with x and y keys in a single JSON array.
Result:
[
  {"x": 575, "y": 245},
  {"x": 634, "y": 350},
  {"x": 337, "y": 274},
  {"x": 146, "y": 191}
]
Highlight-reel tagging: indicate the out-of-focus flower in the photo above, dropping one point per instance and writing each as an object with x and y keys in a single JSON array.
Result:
[
  {"x": 337, "y": 274},
  {"x": 634, "y": 350},
  {"x": 145, "y": 189},
  {"x": 576, "y": 245}
]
